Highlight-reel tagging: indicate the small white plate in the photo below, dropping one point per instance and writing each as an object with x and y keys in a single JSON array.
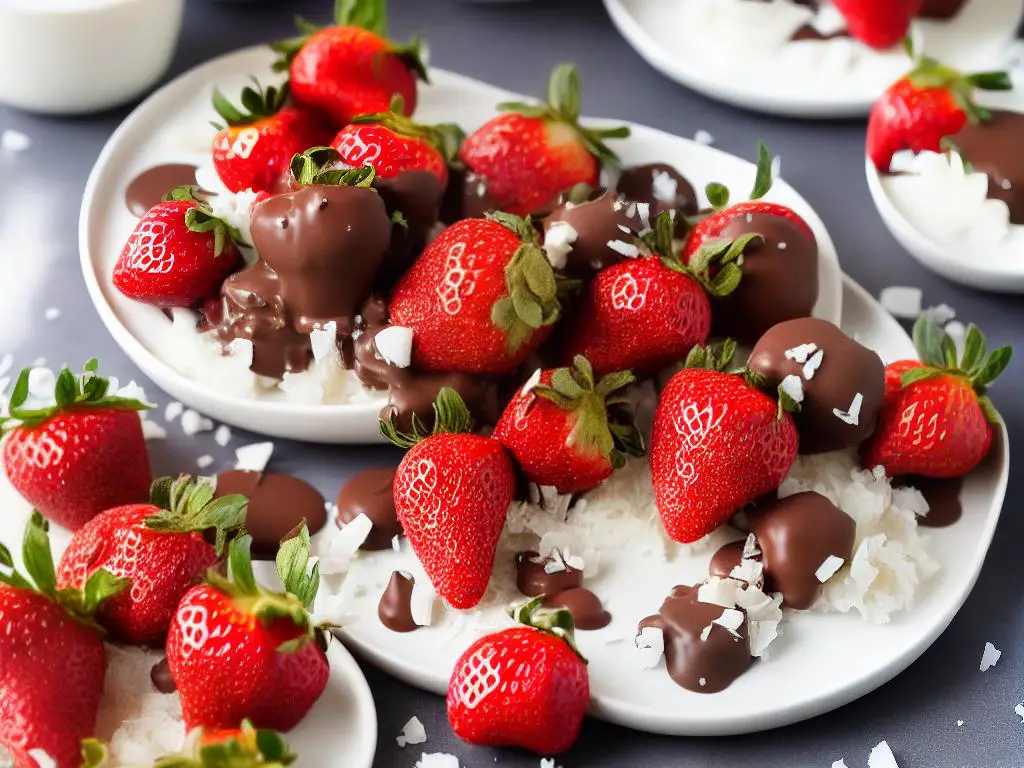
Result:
[
  {"x": 821, "y": 662},
  {"x": 172, "y": 126},
  {"x": 341, "y": 729},
  {"x": 813, "y": 79},
  {"x": 992, "y": 267}
]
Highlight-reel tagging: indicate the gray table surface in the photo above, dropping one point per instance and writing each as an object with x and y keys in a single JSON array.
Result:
[{"x": 515, "y": 46}]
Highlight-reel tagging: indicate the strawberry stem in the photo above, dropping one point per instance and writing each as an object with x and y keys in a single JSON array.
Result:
[
  {"x": 317, "y": 165},
  {"x": 258, "y": 103},
  {"x": 930, "y": 73},
  {"x": 712, "y": 358},
  {"x": 451, "y": 416},
  {"x": 447, "y": 138},
  {"x": 188, "y": 506},
  {"x": 718, "y": 194},
  {"x": 557, "y": 622}
]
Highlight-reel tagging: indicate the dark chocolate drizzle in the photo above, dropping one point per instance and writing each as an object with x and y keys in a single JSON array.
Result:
[
  {"x": 395, "y": 607},
  {"x": 585, "y": 607},
  {"x": 161, "y": 677},
  {"x": 417, "y": 195},
  {"x": 942, "y": 495},
  {"x": 149, "y": 187},
  {"x": 370, "y": 493},
  {"x": 993, "y": 147},
  {"x": 532, "y": 580}
]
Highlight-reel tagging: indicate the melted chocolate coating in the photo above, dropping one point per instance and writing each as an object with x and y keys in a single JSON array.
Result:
[
  {"x": 370, "y": 493},
  {"x": 725, "y": 559},
  {"x": 466, "y": 197},
  {"x": 417, "y": 195},
  {"x": 940, "y": 9},
  {"x": 278, "y": 504},
  {"x": 149, "y": 187},
  {"x": 637, "y": 183},
  {"x": 395, "y": 607},
  {"x": 942, "y": 495},
  {"x": 994, "y": 147},
  {"x": 532, "y": 580},
  {"x": 598, "y": 221},
  {"x": 847, "y": 368},
  {"x": 585, "y": 607},
  {"x": 718, "y": 661},
  {"x": 796, "y": 535},
  {"x": 780, "y": 278},
  {"x": 161, "y": 677}
]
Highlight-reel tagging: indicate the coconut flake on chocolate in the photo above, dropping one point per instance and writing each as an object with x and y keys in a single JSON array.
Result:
[
  {"x": 422, "y": 602},
  {"x": 851, "y": 416},
  {"x": 323, "y": 340},
  {"x": 813, "y": 364},
  {"x": 394, "y": 345},
  {"x": 801, "y": 352},
  {"x": 628, "y": 250},
  {"x": 828, "y": 568},
  {"x": 664, "y": 186},
  {"x": 793, "y": 387},
  {"x": 558, "y": 240},
  {"x": 650, "y": 646}
]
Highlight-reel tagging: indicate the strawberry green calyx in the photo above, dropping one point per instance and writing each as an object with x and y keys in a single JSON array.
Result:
[
  {"x": 720, "y": 256},
  {"x": 257, "y": 103},
  {"x": 712, "y": 358},
  {"x": 718, "y": 194},
  {"x": 533, "y": 290},
  {"x": 574, "y": 389},
  {"x": 246, "y": 748},
  {"x": 563, "y": 106},
  {"x": 80, "y": 604},
  {"x": 557, "y": 622},
  {"x": 977, "y": 366},
  {"x": 930, "y": 73},
  {"x": 200, "y": 218},
  {"x": 451, "y": 416},
  {"x": 318, "y": 165},
  {"x": 447, "y": 138},
  {"x": 188, "y": 506},
  {"x": 70, "y": 391},
  {"x": 94, "y": 753}
]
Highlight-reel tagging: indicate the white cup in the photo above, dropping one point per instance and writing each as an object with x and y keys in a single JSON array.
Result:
[{"x": 75, "y": 56}]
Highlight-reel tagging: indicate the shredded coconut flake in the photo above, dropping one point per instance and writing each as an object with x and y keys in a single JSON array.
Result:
[
  {"x": 52, "y": 313},
  {"x": 1019, "y": 709},
  {"x": 901, "y": 301},
  {"x": 204, "y": 461},
  {"x": 703, "y": 137},
  {"x": 12, "y": 141},
  {"x": 323, "y": 340},
  {"x": 222, "y": 436},
  {"x": 437, "y": 760},
  {"x": 558, "y": 242},
  {"x": 192, "y": 423},
  {"x": 989, "y": 657},
  {"x": 882, "y": 757},
  {"x": 828, "y": 568},
  {"x": 852, "y": 416},
  {"x": 152, "y": 431},
  {"x": 800, "y": 353},
  {"x": 422, "y": 602},
  {"x": 650, "y": 646},
  {"x": 254, "y": 457},
  {"x": 813, "y": 364},
  {"x": 413, "y": 732},
  {"x": 173, "y": 410},
  {"x": 794, "y": 387},
  {"x": 531, "y": 382},
  {"x": 628, "y": 250},
  {"x": 664, "y": 187},
  {"x": 394, "y": 345}
]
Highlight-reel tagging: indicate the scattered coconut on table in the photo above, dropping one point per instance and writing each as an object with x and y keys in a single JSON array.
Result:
[
  {"x": 413, "y": 732},
  {"x": 989, "y": 657}
]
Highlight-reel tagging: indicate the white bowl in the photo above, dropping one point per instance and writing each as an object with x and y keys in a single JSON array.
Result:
[{"x": 74, "y": 56}]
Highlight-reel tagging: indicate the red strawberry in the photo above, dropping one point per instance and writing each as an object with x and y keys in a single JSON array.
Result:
[
  {"x": 255, "y": 146},
  {"x": 159, "y": 547},
  {"x": 929, "y": 104},
  {"x": 238, "y": 651},
  {"x": 351, "y": 68},
  {"x": 530, "y": 154},
  {"x": 452, "y": 491},
  {"x": 567, "y": 431},
  {"x": 52, "y": 661},
  {"x": 479, "y": 299},
  {"x": 177, "y": 255},
  {"x": 523, "y": 687},
  {"x": 717, "y": 444},
  {"x": 79, "y": 456},
  {"x": 878, "y": 23},
  {"x": 936, "y": 419},
  {"x": 392, "y": 143}
]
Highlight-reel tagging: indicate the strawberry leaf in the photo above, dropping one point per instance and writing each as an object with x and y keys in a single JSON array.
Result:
[
  {"x": 914, "y": 375},
  {"x": 763, "y": 177},
  {"x": 557, "y": 622},
  {"x": 994, "y": 366},
  {"x": 94, "y": 753},
  {"x": 451, "y": 416},
  {"x": 717, "y": 194},
  {"x": 446, "y": 138},
  {"x": 975, "y": 350},
  {"x": 293, "y": 567},
  {"x": 371, "y": 15},
  {"x": 100, "y": 586},
  {"x": 37, "y": 555},
  {"x": 258, "y": 103},
  {"x": 928, "y": 339},
  {"x": 991, "y": 81},
  {"x": 991, "y": 414},
  {"x": 188, "y": 506},
  {"x": 240, "y": 566}
]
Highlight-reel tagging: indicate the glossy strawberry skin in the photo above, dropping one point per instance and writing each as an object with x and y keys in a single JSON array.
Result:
[
  {"x": 717, "y": 444},
  {"x": 342, "y": 72},
  {"x": 51, "y": 681},
  {"x": 521, "y": 688},
  {"x": 452, "y": 493},
  {"x": 162, "y": 568},
  {"x": 879, "y": 23},
  {"x": 388, "y": 152},
  {"x": 528, "y": 161},
  {"x": 227, "y": 668},
  {"x": 79, "y": 463},
  {"x": 257, "y": 156},
  {"x": 637, "y": 315},
  {"x": 933, "y": 428},
  {"x": 166, "y": 264},
  {"x": 447, "y": 295},
  {"x": 908, "y": 117},
  {"x": 712, "y": 227}
]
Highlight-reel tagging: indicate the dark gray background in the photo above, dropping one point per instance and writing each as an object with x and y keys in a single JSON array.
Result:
[{"x": 515, "y": 46}]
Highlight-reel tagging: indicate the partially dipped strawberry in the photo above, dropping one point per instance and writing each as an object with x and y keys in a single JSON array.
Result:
[
  {"x": 717, "y": 444},
  {"x": 452, "y": 491},
  {"x": 255, "y": 144},
  {"x": 533, "y": 152},
  {"x": 178, "y": 254},
  {"x": 159, "y": 547},
  {"x": 76, "y": 454},
  {"x": 351, "y": 68},
  {"x": 936, "y": 419},
  {"x": 392, "y": 143},
  {"x": 925, "y": 106},
  {"x": 479, "y": 299},
  {"x": 878, "y": 23},
  {"x": 238, "y": 651},
  {"x": 52, "y": 661},
  {"x": 523, "y": 687},
  {"x": 568, "y": 430}
]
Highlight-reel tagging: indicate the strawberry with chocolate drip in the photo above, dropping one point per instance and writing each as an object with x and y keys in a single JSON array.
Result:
[
  {"x": 717, "y": 444},
  {"x": 568, "y": 430},
  {"x": 531, "y": 153},
  {"x": 937, "y": 419},
  {"x": 255, "y": 143},
  {"x": 351, "y": 67}
]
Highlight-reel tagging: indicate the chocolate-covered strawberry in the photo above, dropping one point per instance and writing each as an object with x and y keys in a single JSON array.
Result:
[
  {"x": 779, "y": 258},
  {"x": 569, "y": 430},
  {"x": 452, "y": 491},
  {"x": 717, "y": 444},
  {"x": 660, "y": 186},
  {"x": 479, "y": 299},
  {"x": 837, "y": 382},
  {"x": 586, "y": 233},
  {"x": 937, "y": 420},
  {"x": 526, "y": 156}
]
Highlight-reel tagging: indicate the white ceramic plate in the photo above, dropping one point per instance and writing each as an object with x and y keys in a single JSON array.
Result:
[
  {"x": 821, "y": 662},
  {"x": 837, "y": 78},
  {"x": 172, "y": 126},
  {"x": 912, "y": 220},
  {"x": 341, "y": 729}
]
